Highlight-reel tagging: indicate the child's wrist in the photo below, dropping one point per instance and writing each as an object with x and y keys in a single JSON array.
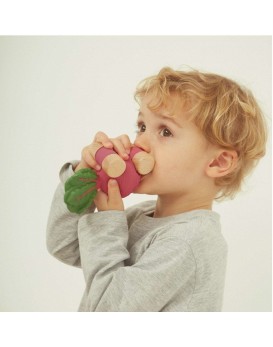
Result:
[{"x": 78, "y": 166}]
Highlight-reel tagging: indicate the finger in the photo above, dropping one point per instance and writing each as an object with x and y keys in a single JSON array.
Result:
[
  {"x": 88, "y": 158},
  {"x": 126, "y": 143},
  {"x": 101, "y": 201},
  {"x": 114, "y": 198},
  {"x": 120, "y": 148},
  {"x": 103, "y": 139}
]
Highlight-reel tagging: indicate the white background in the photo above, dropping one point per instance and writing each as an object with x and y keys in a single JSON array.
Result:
[{"x": 55, "y": 94}]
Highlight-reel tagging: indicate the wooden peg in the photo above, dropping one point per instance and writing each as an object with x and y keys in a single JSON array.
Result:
[
  {"x": 113, "y": 165},
  {"x": 144, "y": 162}
]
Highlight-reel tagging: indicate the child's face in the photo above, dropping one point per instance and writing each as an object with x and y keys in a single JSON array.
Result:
[{"x": 180, "y": 150}]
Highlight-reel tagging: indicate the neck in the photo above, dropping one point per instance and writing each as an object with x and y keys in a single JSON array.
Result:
[{"x": 168, "y": 206}]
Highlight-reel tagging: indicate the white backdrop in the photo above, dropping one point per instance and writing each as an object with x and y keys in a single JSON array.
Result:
[{"x": 55, "y": 94}]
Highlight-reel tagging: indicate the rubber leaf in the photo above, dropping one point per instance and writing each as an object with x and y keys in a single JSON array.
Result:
[{"x": 80, "y": 190}]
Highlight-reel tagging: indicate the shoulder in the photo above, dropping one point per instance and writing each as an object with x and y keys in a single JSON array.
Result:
[{"x": 200, "y": 230}]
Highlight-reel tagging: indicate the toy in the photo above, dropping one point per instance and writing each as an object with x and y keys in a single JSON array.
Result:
[{"x": 81, "y": 188}]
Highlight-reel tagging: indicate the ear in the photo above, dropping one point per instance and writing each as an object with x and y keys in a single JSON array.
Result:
[{"x": 223, "y": 163}]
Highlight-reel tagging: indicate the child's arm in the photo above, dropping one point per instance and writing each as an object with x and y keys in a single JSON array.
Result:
[
  {"x": 62, "y": 226},
  {"x": 166, "y": 267}
]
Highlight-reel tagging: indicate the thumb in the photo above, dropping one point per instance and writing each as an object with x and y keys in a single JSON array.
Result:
[{"x": 114, "y": 197}]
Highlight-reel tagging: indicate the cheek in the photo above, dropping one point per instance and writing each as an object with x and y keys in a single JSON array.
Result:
[
  {"x": 167, "y": 168},
  {"x": 180, "y": 167}
]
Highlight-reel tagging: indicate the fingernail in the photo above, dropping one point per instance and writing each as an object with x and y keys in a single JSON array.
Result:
[
  {"x": 97, "y": 167},
  {"x": 113, "y": 182},
  {"x": 125, "y": 156}
]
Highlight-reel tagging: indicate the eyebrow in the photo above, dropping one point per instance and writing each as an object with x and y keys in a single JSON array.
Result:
[{"x": 170, "y": 119}]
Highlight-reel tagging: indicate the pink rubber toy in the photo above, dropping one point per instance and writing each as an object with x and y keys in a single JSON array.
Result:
[
  {"x": 82, "y": 187},
  {"x": 130, "y": 178}
]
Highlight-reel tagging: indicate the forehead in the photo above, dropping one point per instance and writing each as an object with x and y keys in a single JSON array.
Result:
[
  {"x": 172, "y": 107},
  {"x": 171, "y": 113}
]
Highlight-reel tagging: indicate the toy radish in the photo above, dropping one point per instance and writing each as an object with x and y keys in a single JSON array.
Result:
[{"x": 81, "y": 188}]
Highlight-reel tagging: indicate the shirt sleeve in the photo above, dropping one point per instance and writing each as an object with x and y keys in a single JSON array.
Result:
[
  {"x": 152, "y": 282},
  {"x": 62, "y": 226}
]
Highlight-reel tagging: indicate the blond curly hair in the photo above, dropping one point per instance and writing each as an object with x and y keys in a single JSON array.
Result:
[{"x": 226, "y": 113}]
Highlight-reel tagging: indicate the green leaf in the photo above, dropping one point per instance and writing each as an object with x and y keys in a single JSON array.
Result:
[
  {"x": 81, "y": 178},
  {"x": 80, "y": 190}
]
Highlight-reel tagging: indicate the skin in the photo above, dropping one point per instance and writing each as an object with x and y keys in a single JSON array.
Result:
[
  {"x": 122, "y": 146},
  {"x": 186, "y": 164}
]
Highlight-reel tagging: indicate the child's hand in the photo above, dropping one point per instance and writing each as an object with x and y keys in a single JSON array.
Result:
[
  {"x": 120, "y": 144},
  {"x": 112, "y": 201}
]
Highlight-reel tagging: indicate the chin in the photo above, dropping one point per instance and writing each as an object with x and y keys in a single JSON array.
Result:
[
  {"x": 138, "y": 190},
  {"x": 141, "y": 189}
]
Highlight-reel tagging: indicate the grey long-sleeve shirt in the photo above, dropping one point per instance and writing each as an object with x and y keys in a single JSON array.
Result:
[{"x": 134, "y": 262}]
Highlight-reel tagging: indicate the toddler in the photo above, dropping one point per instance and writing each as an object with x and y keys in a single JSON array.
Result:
[{"x": 206, "y": 133}]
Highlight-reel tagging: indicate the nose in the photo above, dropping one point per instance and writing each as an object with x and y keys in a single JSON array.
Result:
[{"x": 143, "y": 141}]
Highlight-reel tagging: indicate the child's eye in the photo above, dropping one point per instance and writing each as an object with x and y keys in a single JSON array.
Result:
[
  {"x": 141, "y": 127},
  {"x": 165, "y": 132}
]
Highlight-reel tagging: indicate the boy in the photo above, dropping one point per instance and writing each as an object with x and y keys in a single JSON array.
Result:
[{"x": 206, "y": 133}]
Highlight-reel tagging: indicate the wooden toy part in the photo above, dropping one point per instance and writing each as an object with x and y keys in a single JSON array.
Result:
[
  {"x": 112, "y": 164},
  {"x": 144, "y": 162}
]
